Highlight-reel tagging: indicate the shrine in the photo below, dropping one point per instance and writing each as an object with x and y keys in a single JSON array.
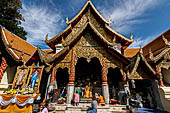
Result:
[
  {"x": 89, "y": 54},
  {"x": 88, "y": 58}
]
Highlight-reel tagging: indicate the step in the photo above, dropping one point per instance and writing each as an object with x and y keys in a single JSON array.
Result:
[
  {"x": 167, "y": 96},
  {"x": 85, "y": 100}
]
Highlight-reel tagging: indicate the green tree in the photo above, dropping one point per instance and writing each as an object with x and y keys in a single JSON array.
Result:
[{"x": 11, "y": 18}]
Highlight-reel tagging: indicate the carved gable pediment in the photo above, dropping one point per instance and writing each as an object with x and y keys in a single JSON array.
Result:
[{"x": 89, "y": 14}]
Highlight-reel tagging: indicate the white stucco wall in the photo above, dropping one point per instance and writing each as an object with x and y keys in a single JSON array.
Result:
[
  {"x": 7, "y": 78},
  {"x": 164, "y": 100},
  {"x": 166, "y": 75}
]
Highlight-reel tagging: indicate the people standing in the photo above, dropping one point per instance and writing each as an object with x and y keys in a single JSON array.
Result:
[{"x": 76, "y": 98}]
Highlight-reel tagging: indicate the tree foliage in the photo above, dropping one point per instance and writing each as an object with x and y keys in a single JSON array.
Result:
[{"x": 11, "y": 18}]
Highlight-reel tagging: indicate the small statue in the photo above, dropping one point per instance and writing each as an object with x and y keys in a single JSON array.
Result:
[
  {"x": 34, "y": 78},
  {"x": 20, "y": 78},
  {"x": 88, "y": 91}
]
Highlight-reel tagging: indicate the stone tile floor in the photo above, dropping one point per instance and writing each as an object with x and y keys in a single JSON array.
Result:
[{"x": 149, "y": 110}]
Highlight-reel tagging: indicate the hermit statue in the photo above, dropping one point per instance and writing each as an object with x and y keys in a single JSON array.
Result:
[{"x": 20, "y": 78}]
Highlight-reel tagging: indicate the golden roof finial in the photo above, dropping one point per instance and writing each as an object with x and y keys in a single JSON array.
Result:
[
  {"x": 46, "y": 37},
  {"x": 165, "y": 40},
  {"x": 67, "y": 21},
  {"x": 10, "y": 42},
  {"x": 21, "y": 55},
  {"x": 151, "y": 57},
  {"x": 140, "y": 50},
  {"x": 110, "y": 20},
  {"x": 62, "y": 41},
  {"x": 114, "y": 40},
  {"x": 131, "y": 36}
]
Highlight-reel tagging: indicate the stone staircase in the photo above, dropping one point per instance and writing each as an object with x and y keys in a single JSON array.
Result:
[
  {"x": 165, "y": 97},
  {"x": 82, "y": 108},
  {"x": 166, "y": 91}
]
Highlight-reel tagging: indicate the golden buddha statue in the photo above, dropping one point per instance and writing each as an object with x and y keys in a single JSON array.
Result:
[{"x": 88, "y": 91}]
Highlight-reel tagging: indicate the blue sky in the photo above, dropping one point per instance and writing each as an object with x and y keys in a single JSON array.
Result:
[{"x": 145, "y": 19}]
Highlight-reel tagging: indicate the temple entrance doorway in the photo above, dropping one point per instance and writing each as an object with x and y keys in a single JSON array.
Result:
[
  {"x": 88, "y": 76},
  {"x": 115, "y": 82},
  {"x": 62, "y": 79},
  {"x": 144, "y": 88}
]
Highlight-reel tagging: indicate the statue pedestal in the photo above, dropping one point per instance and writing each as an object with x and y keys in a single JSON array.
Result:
[
  {"x": 105, "y": 91},
  {"x": 70, "y": 92}
]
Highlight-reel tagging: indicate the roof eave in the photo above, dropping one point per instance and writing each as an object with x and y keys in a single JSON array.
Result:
[{"x": 6, "y": 43}]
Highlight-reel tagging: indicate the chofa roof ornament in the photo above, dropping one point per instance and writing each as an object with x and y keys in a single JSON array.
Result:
[
  {"x": 67, "y": 21},
  {"x": 131, "y": 36},
  {"x": 166, "y": 41},
  {"x": 151, "y": 57},
  {"x": 110, "y": 20}
]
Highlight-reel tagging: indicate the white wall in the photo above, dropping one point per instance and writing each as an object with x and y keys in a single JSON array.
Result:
[
  {"x": 164, "y": 100},
  {"x": 166, "y": 75},
  {"x": 7, "y": 78}
]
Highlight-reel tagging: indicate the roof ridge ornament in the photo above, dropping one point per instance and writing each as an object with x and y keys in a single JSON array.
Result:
[
  {"x": 62, "y": 41},
  {"x": 110, "y": 20},
  {"x": 131, "y": 36},
  {"x": 46, "y": 37},
  {"x": 21, "y": 55},
  {"x": 140, "y": 50},
  {"x": 114, "y": 41},
  {"x": 166, "y": 41},
  {"x": 67, "y": 21},
  {"x": 10, "y": 42},
  {"x": 151, "y": 57}
]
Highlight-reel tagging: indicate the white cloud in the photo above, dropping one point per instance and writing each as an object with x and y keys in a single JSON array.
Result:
[
  {"x": 40, "y": 21},
  {"x": 140, "y": 42},
  {"x": 127, "y": 13}
]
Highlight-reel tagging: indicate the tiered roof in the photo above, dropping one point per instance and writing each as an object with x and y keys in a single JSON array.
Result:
[
  {"x": 19, "y": 49},
  {"x": 55, "y": 40},
  {"x": 131, "y": 52},
  {"x": 140, "y": 68},
  {"x": 38, "y": 56},
  {"x": 158, "y": 46}
]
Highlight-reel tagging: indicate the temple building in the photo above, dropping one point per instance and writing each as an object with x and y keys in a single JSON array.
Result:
[
  {"x": 88, "y": 51},
  {"x": 13, "y": 52},
  {"x": 90, "y": 58}
]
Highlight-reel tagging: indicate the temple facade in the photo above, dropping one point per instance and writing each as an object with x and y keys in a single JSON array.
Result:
[
  {"x": 91, "y": 58},
  {"x": 88, "y": 51}
]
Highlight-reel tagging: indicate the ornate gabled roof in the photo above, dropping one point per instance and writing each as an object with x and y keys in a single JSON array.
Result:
[
  {"x": 19, "y": 49},
  {"x": 157, "y": 45},
  {"x": 159, "y": 56},
  {"x": 101, "y": 37},
  {"x": 51, "y": 43},
  {"x": 88, "y": 4},
  {"x": 38, "y": 55},
  {"x": 131, "y": 52},
  {"x": 139, "y": 61},
  {"x": 64, "y": 51},
  {"x": 118, "y": 55},
  {"x": 125, "y": 40},
  {"x": 55, "y": 40},
  {"x": 108, "y": 45}
]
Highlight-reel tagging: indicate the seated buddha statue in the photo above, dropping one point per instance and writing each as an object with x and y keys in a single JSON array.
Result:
[{"x": 88, "y": 91}]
